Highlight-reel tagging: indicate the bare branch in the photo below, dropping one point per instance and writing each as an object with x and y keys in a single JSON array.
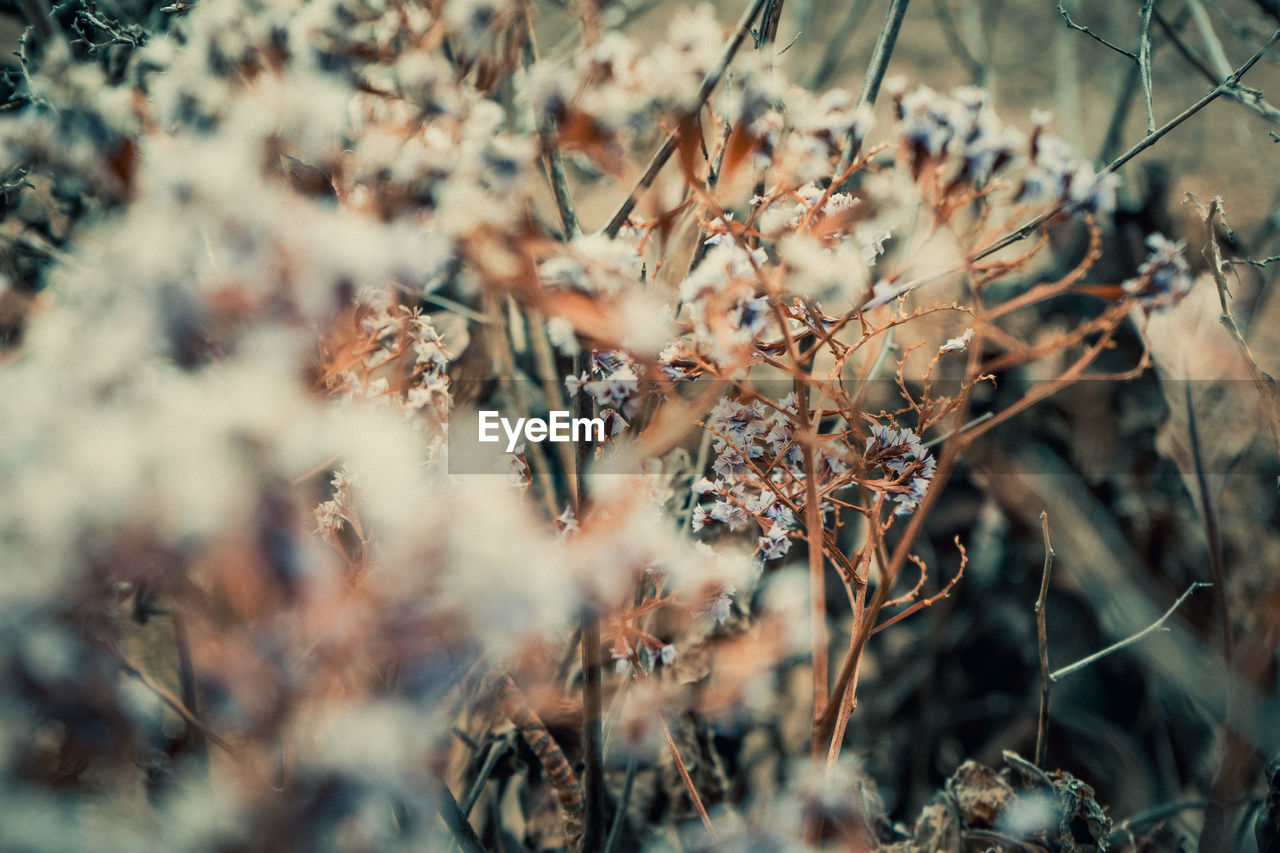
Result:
[
  {"x": 1144, "y": 62},
  {"x": 875, "y": 71},
  {"x": 1066, "y": 16},
  {"x": 1243, "y": 95},
  {"x": 1263, "y": 381},
  {"x": 1157, "y": 625}
]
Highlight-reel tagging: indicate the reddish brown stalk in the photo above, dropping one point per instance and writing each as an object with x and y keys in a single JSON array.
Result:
[
  {"x": 1068, "y": 377},
  {"x": 824, "y": 724},
  {"x": 920, "y": 605},
  {"x": 813, "y": 528},
  {"x": 687, "y": 779},
  {"x": 848, "y": 699},
  {"x": 1045, "y": 291},
  {"x": 534, "y": 732},
  {"x": 813, "y": 524}
]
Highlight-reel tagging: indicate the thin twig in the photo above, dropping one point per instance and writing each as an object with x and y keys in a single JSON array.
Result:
[
  {"x": 173, "y": 702},
  {"x": 824, "y": 726},
  {"x": 817, "y": 565},
  {"x": 1250, "y": 98},
  {"x": 978, "y": 421},
  {"x": 876, "y": 69},
  {"x": 1212, "y": 532},
  {"x": 689, "y": 787},
  {"x": 945, "y": 592},
  {"x": 1042, "y": 637},
  {"x": 1225, "y": 86},
  {"x": 1066, "y": 16},
  {"x": 1144, "y": 62},
  {"x": 1157, "y": 625},
  {"x": 858, "y": 594},
  {"x": 39, "y": 16},
  {"x": 1260, "y": 264},
  {"x": 547, "y": 143},
  {"x": 664, "y": 153}
]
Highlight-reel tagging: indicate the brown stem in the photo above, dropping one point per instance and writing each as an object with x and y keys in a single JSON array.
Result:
[
  {"x": 1042, "y": 636},
  {"x": 813, "y": 528},
  {"x": 534, "y": 732},
  {"x": 687, "y": 779}
]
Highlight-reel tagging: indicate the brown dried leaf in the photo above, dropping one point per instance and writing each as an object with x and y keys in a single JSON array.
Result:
[
  {"x": 738, "y": 148},
  {"x": 1203, "y": 375}
]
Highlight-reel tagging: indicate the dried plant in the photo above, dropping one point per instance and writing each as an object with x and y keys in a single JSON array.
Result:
[{"x": 261, "y": 592}]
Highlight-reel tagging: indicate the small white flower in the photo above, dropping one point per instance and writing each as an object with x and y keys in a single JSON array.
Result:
[
  {"x": 721, "y": 607},
  {"x": 959, "y": 344}
]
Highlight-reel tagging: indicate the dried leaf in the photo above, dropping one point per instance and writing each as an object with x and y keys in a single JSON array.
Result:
[{"x": 1207, "y": 385}]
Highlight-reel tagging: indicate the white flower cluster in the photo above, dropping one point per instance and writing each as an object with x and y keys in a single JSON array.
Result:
[
  {"x": 612, "y": 383},
  {"x": 901, "y": 453},
  {"x": 720, "y": 301},
  {"x": 1164, "y": 277},
  {"x": 962, "y": 127},
  {"x": 401, "y": 359},
  {"x": 759, "y": 473},
  {"x": 593, "y": 264},
  {"x": 614, "y": 90}
]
